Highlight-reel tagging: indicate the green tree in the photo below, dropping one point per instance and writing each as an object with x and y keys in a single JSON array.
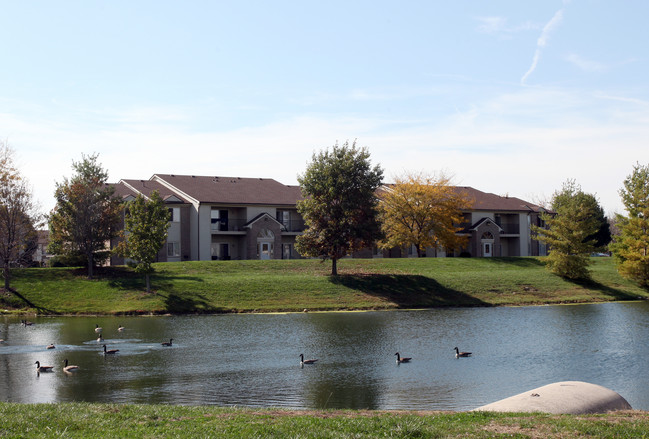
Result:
[
  {"x": 18, "y": 216},
  {"x": 570, "y": 232},
  {"x": 631, "y": 246},
  {"x": 340, "y": 205},
  {"x": 145, "y": 232},
  {"x": 602, "y": 236},
  {"x": 86, "y": 214},
  {"x": 423, "y": 211}
]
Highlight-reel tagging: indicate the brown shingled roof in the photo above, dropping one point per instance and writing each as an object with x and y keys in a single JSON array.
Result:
[
  {"x": 493, "y": 202},
  {"x": 234, "y": 190}
]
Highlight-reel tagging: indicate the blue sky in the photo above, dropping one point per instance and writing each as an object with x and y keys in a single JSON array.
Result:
[{"x": 509, "y": 97}]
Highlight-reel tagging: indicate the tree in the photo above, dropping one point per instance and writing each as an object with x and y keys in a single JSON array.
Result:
[
  {"x": 631, "y": 247},
  {"x": 570, "y": 232},
  {"x": 422, "y": 211},
  {"x": 602, "y": 236},
  {"x": 145, "y": 232},
  {"x": 86, "y": 214},
  {"x": 18, "y": 216},
  {"x": 340, "y": 205}
]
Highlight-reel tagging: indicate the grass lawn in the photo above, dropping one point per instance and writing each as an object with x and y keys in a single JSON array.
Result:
[
  {"x": 295, "y": 285},
  {"x": 83, "y": 420}
]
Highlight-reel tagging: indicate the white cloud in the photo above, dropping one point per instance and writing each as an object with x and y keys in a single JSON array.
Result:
[
  {"x": 584, "y": 64},
  {"x": 543, "y": 41}
]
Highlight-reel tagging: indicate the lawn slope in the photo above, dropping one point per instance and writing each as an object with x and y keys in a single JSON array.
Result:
[{"x": 296, "y": 285}]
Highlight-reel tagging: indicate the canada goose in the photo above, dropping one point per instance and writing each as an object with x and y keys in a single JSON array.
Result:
[
  {"x": 100, "y": 338},
  {"x": 40, "y": 368},
  {"x": 120, "y": 328},
  {"x": 98, "y": 329},
  {"x": 303, "y": 361},
  {"x": 401, "y": 359},
  {"x": 70, "y": 368},
  {"x": 459, "y": 354},
  {"x": 167, "y": 343},
  {"x": 27, "y": 323},
  {"x": 50, "y": 346},
  {"x": 110, "y": 351}
]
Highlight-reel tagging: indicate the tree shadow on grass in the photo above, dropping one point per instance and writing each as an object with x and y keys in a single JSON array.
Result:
[
  {"x": 615, "y": 293},
  {"x": 26, "y": 301},
  {"x": 407, "y": 291},
  {"x": 189, "y": 304}
]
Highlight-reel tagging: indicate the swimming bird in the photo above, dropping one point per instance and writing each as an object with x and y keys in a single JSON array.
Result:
[
  {"x": 27, "y": 323},
  {"x": 110, "y": 351},
  {"x": 100, "y": 338},
  {"x": 98, "y": 329},
  {"x": 40, "y": 368},
  {"x": 401, "y": 359},
  {"x": 120, "y": 328},
  {"x": 459, "y": 354},
  {"x": 167, "y": 343},
  {"x": 70, "y": 368},
  {"x": 303, "y": 361},
  {"x": 50, "y": 346}
]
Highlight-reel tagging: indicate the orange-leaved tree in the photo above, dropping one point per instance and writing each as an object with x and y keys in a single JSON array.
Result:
[{"x": 424, "y": 211}]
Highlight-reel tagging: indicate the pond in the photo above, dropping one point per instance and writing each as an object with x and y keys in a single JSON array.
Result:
[{"x": 253, "y": 359}]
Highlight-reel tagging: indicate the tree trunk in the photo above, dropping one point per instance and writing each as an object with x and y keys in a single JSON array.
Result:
[
  {"x": 90, "y": 266},
  {"x": 334, "y": 267},
  {"x": 148, "y": 283},
  {"x": 6, "y": 274}
]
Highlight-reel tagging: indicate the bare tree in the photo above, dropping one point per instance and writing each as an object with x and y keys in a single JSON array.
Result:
[{"x": 18, "y": 216}]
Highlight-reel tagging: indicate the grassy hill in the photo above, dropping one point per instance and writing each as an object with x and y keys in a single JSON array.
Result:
[{"x": 295, "y": 285}]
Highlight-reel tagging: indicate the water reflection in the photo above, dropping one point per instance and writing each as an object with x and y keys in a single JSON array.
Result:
[{"x": 253, "y": 360}]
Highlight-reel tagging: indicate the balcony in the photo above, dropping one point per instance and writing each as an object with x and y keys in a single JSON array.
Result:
[
  {"x": 228, "y": 225},
  {"x": 510, "y": 229},
  {"x": 293, "y": 226}
]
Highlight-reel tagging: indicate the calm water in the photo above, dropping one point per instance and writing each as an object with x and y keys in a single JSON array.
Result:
[{"x": 253, "y": 360}]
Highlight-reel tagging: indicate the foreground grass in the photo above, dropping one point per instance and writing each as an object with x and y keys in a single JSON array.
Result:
[
  {"x": 83, "y": 420},
  {"x": 295, "y": 285}
]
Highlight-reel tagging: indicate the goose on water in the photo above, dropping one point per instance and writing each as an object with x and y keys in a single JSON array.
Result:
[
  {"x": 50, "y": 346},
  {"x": 401, "y": 359},
  {"x": 303, "y": 361},
  {"x": 167, "y": 343},
  {"x": 110, "y": 351},
  {"x": 120, "y": 328},
  {"x": 40, "y": 368},
  {"x": 100, "y": 338},
  {"x": 70, "y": 368},
  {"x": 98, "y": 329},
  {"x": 459, "y": 354}
]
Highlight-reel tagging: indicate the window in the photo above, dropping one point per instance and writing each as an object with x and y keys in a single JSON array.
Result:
[
  {"x": 174, "y": 214},
  {"x": 219, "y": 219},
  {"x": 284, "y": 217},
  {"x": 173, "y": 249}
]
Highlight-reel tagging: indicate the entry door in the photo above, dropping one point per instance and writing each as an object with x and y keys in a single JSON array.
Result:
[
  {"x": 487, "y": 249},
  {"x": 264, "y": 250}
]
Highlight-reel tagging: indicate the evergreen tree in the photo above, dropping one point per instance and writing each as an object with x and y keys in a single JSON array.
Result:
[
  {"x": 145, "y": 232},
  {"x": 570, "y": 232},
  {"x": 86, "y": 214},
  {"x": 340, "y": 205},
  {"x": 422, "y": 211},
  {"x": 631, "y": 248}
]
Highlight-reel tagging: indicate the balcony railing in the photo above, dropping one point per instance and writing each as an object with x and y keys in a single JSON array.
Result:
[
  {"x": 229, "y": 225},
  {"x": 510, "y": 229},
  {"x": 293, "y": 226}
]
